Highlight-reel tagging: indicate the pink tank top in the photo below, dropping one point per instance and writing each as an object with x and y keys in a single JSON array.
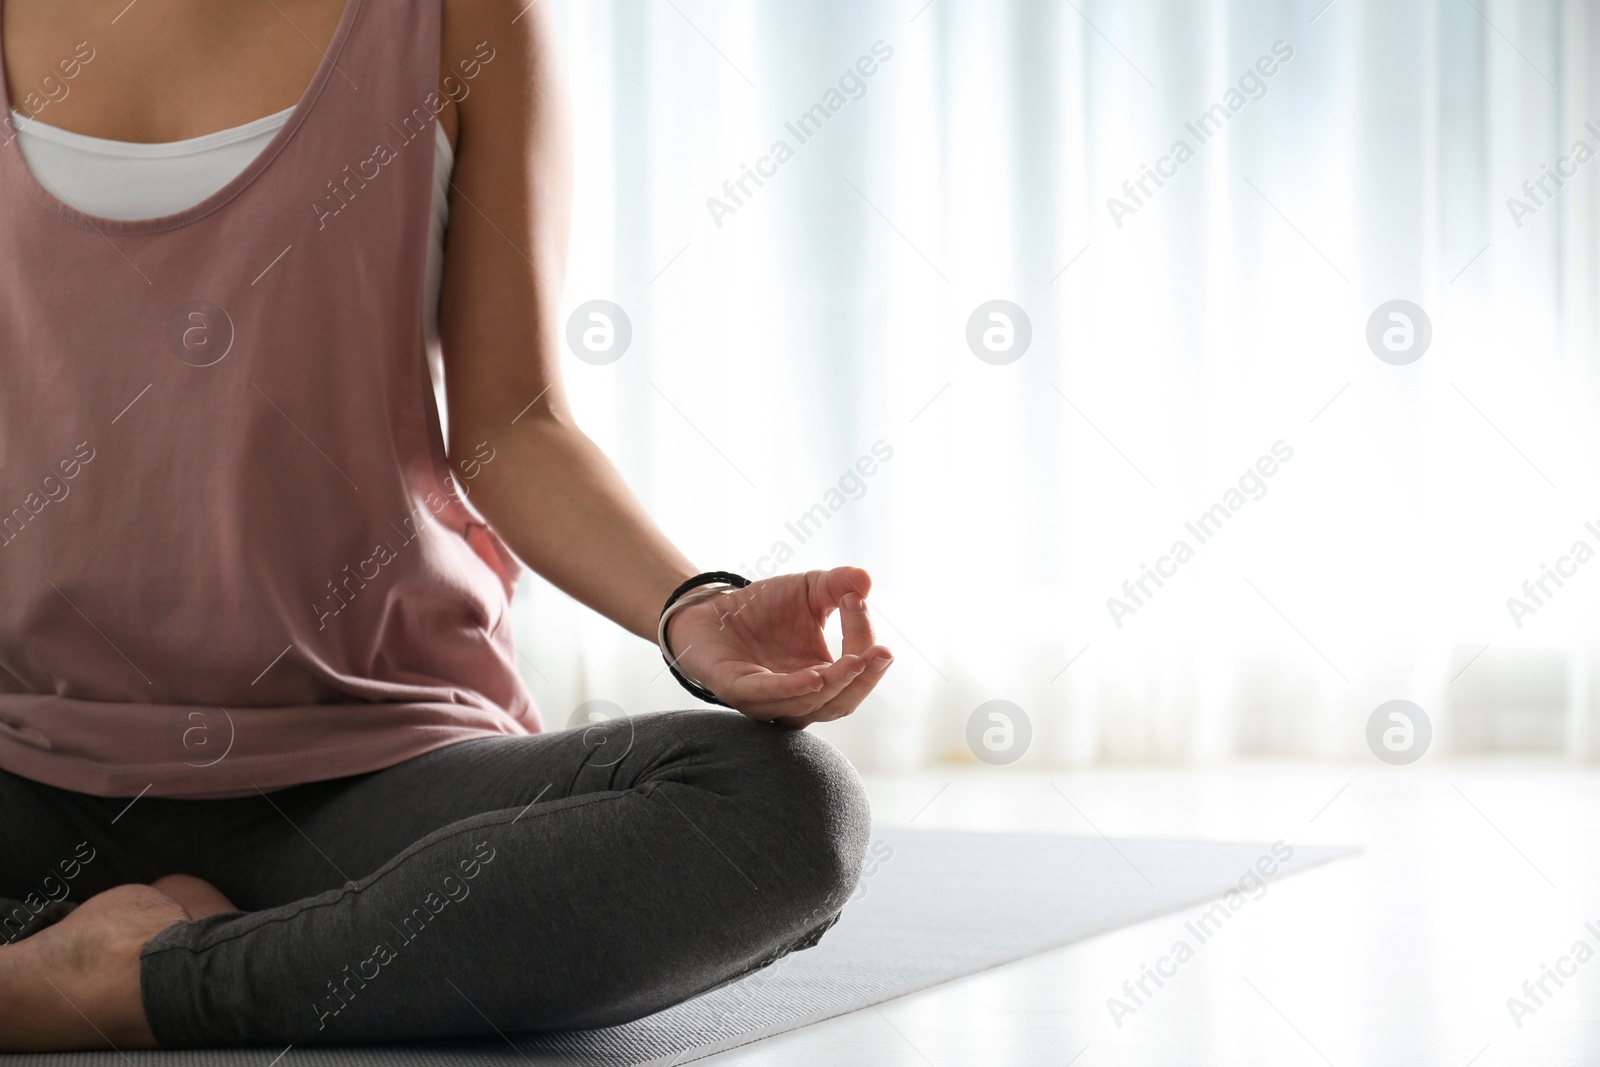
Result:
[{"x": 233, "y": 555}]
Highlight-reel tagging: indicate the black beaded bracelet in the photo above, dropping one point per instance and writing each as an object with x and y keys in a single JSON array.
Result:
[{"x": 728, "y": 578}]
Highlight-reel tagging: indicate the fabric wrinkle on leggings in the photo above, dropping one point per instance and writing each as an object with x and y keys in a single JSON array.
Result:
[{"x": 516, "y": 883}]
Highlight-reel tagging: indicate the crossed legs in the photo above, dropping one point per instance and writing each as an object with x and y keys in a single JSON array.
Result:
[{"x": 573, "y": 879}]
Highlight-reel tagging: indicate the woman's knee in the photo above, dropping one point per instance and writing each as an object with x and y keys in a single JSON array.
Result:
[{"x": 796, "y": 800}]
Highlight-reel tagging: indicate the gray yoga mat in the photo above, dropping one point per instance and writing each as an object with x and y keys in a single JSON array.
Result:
[{"x": 932, "y": 906}]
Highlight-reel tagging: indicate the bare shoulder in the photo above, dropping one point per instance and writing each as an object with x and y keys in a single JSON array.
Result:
[
  {"x": 510, "y": 207},
  {"x": 499, "y": 71},
  {"x": 467, "y": 21},
  {"x": 493, "y": 55}
]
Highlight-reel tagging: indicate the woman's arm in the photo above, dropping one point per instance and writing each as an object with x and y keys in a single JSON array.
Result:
[{"x": 550, "y": 492}]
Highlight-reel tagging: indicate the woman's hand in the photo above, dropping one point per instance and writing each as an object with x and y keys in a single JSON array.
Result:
[{"x": 760, "y": 649}]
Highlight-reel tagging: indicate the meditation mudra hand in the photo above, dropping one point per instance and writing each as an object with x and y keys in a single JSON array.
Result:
[{"x": 761, "y": 649}]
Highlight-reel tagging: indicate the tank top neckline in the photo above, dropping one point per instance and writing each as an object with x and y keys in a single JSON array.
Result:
[
  {"x": 11, "y": 151},
  {"x": 189, "y": 146}
]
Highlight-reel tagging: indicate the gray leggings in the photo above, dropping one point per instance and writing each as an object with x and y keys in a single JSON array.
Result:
[{"x": 573, "y": 879}]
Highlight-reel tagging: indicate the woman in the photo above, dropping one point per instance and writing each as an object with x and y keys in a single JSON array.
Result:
[{"x": 268, "y": 773}]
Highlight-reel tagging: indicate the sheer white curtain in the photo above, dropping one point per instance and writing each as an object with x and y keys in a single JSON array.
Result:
[{"x": 792, "y": 333}]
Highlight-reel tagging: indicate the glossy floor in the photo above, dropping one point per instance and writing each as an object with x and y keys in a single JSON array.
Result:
[{"x": 1474, "y": 877}]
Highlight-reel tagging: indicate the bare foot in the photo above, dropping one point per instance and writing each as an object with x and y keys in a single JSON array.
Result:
[
  {"x": 198, "y": 898},
  {"x": 75, "y": 985}
]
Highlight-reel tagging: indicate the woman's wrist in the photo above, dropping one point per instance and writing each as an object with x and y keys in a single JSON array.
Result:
[
  {"x": 675, "y": 577},
  {"x": 691, "y": 597},
  {"x": 673, "y": 640}
]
